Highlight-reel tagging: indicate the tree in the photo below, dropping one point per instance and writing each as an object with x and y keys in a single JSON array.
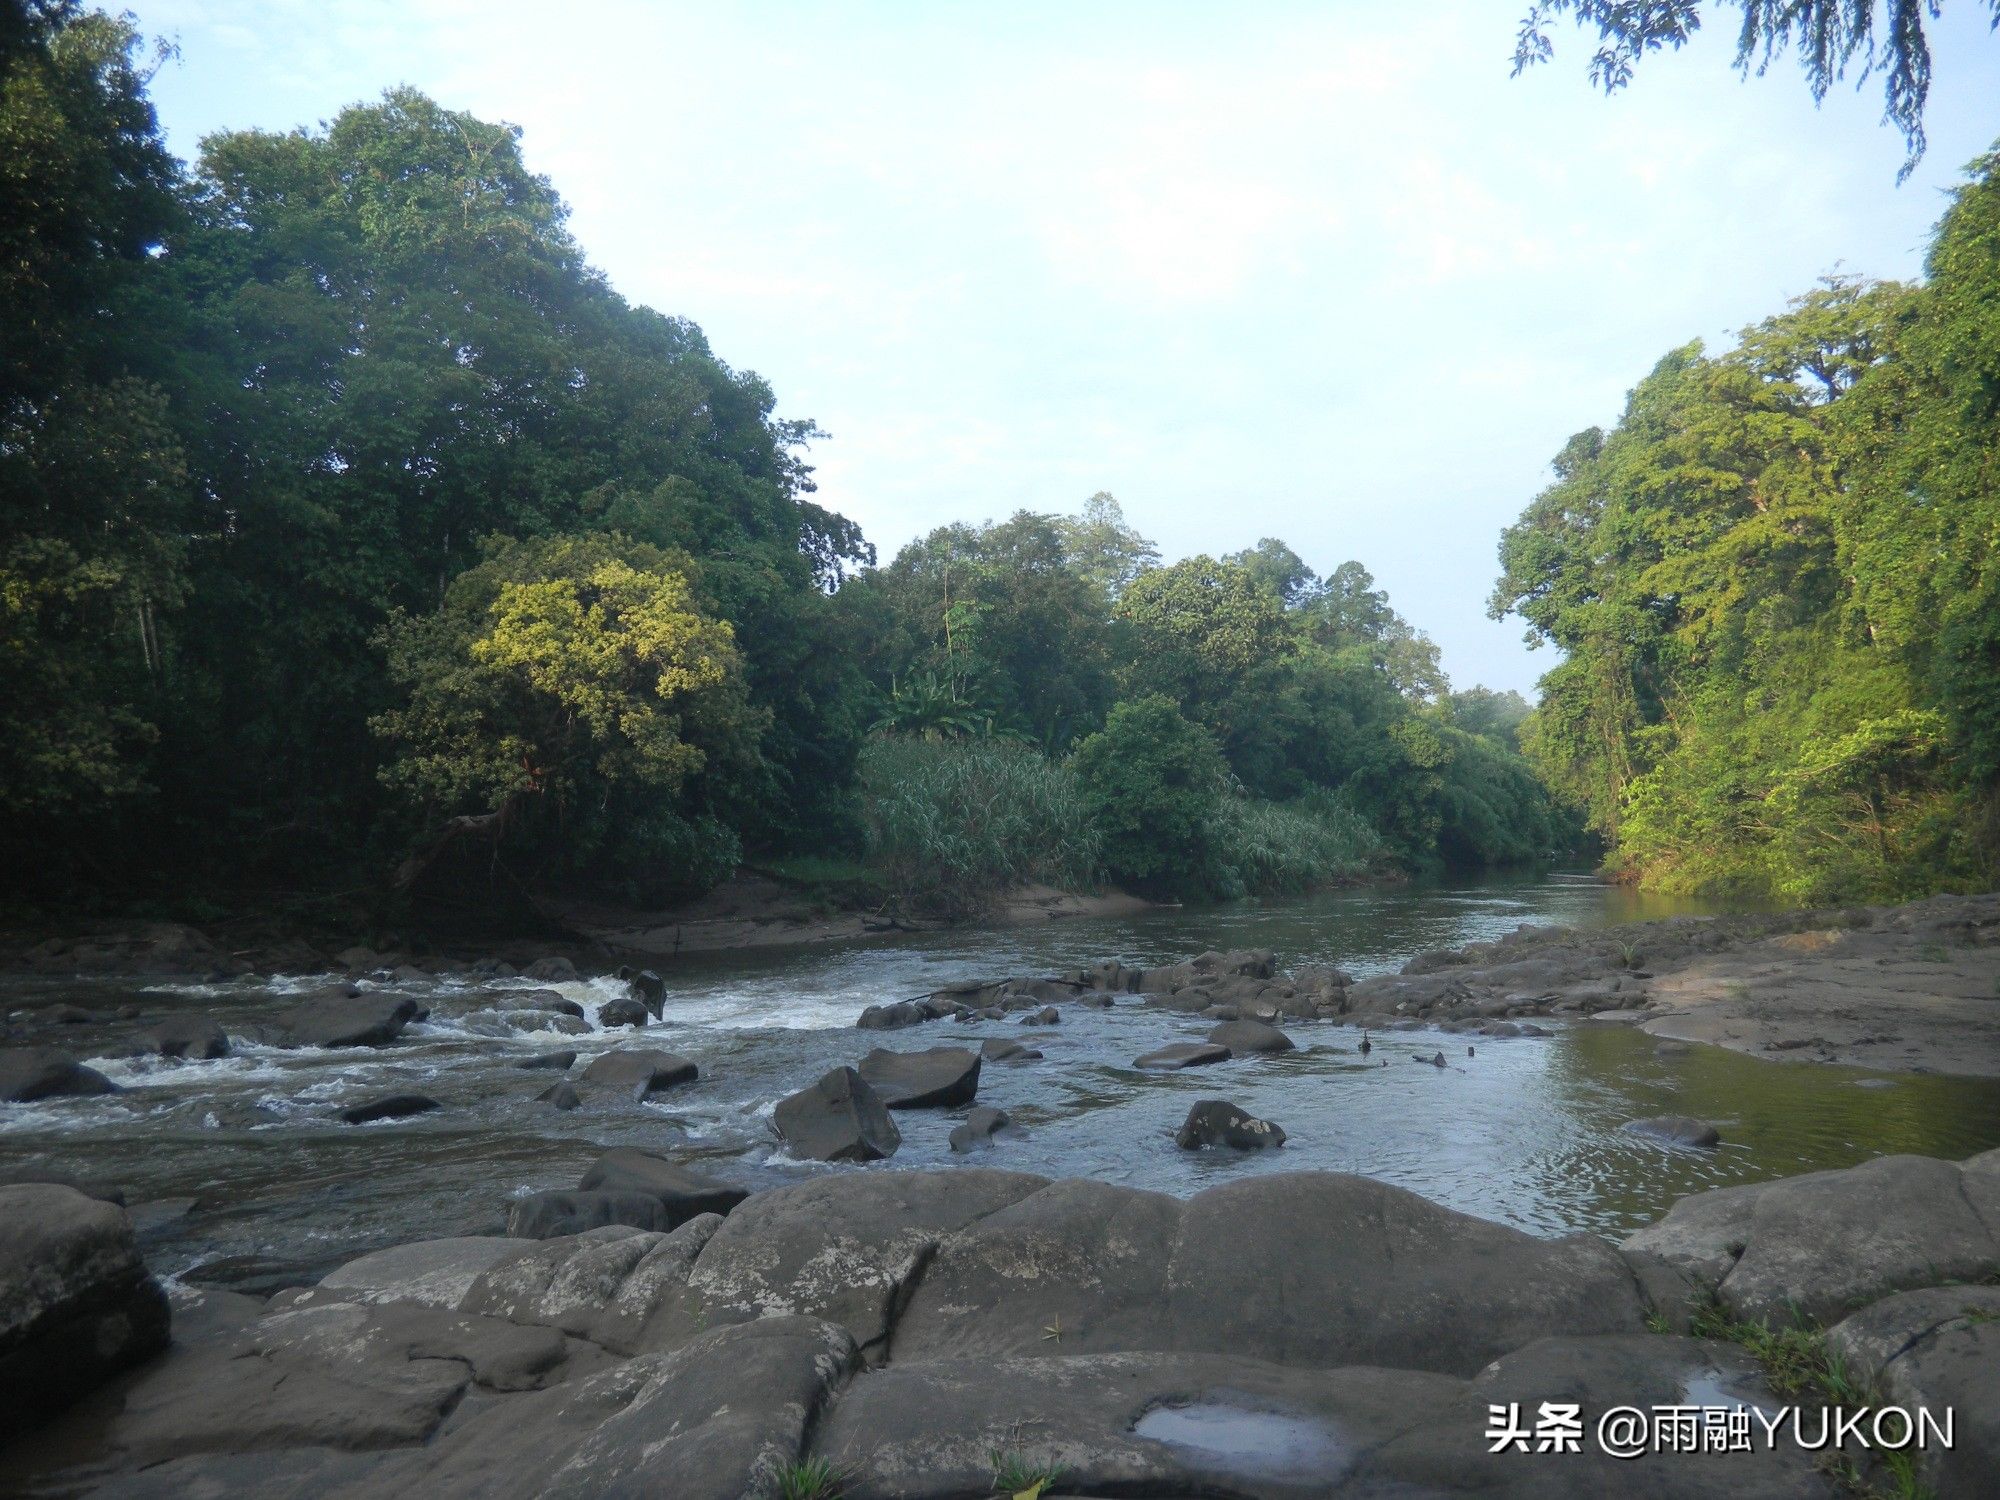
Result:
[
  {"x": 1103, "y": 549},
  {"x": 572, "y": 686},
  {"x": 1150, "y": 779},
  {"x": 1831, "y": 36}
]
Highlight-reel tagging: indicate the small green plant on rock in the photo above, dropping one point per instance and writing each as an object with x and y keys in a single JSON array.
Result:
[
  {"x": 810, "y": 1479},
  {"x": 1015, "y": 1475}
]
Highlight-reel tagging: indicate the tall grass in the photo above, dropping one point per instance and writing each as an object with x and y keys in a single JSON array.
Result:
[
  {"x": 953, "y": 822},
  {"x": 1278, "y": 848}
]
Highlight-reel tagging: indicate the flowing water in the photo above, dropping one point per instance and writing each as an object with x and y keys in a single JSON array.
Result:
[{"x": 251, "y": 1171}]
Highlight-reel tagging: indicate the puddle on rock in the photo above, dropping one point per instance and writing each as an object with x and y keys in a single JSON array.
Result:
[{"x": 1249, "y": 1441}]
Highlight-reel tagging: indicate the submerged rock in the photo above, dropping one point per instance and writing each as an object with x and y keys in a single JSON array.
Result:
[
  {"x": 1183, "y": 1055},
  {"x": 1000, "y": 1050},
  {"x": 183, "y": 1036},
  {"x": 982, "y": 1123},
  {"x": 840, "y": 1118},
  {"x": 546, "y": 1216},
  {"x": 556, "y": 1062},
  {"x": 389, "y": 1107},
  {"x": 1250, "y": 1036},
  {"x": 29, "y": 1073},
  {"x": 76, "y": 1303},
  {"x": 561, "y": 1095},
  {"x": 1676, "y": 1130},
  {"x": 941, "y": 1078},
  {"x": 1216, "y": 1122}
]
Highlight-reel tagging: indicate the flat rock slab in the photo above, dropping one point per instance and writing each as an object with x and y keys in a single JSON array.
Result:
[
  {"x": 433, "y": 1273},
  {"x": 640, "y": 1071},
  {"x": 840, "y": 1118},
  {"x": 1294, "y": 1268},
  {"x": 941, "y": 1078},
  {"x": 686, "y": 1194},
  {"x": 1184, "y": 1055}
]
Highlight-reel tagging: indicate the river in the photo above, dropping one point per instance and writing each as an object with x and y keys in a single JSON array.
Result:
[{"x": 253, "y": 1180}]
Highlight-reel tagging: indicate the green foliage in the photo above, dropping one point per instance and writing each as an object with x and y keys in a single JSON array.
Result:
[
  {"x": 953, "y": 822},
  {"x": 810, "y": 1479},
  {"x": 1150, "y": 780},
  {"x": 1832, "y": 36},
  {"x": 1776, "y": 586},
  {"x": 1285, "y": 848}
]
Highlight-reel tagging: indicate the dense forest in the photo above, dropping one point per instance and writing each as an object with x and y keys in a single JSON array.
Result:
[
  {"x": 357, "y": 537},
  {"x": 1776, "y": 585}
]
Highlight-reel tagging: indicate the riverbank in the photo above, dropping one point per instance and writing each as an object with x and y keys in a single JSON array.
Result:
[
  {"x": 947, "y": 1335},
  {"x": 1899, "y": 989}
]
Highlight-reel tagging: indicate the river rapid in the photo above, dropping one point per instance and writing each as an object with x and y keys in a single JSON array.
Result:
[{"x": 242, "y": 1173}]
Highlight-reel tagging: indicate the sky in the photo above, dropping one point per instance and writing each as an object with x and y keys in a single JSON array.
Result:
[{"x": 1321, "y": 271}]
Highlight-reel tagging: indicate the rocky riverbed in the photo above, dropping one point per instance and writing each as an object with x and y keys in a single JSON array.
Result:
[{"x": 566, "y": 1131}]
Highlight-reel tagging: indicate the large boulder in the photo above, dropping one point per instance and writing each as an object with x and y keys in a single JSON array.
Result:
[
  {"x": 436, "y": 1273},
  {"x": 1294, "y": 1268},
  {"x": 941, "y": 1078},
  {"x": 29, "y": 1073},
  {"x": 1217, "y": 1122},
  {"x": 840, "y": 1118},
  {"x": 981, "y": 1124},
  {"x": 1829, "y": 1242},
  {"x": 76, "y": 1303},
  {"x": 551, "y": 971},
  {"x": 624, "y": 1011},
  {"x": 844, "y": 1248},
  {"x": 640, "y": 1071},
  {"x": 334, "y": 1018},
  {"x": 1936, "y": 1351},
  {"x": 183, "y": 1036},
  {"x": 686, "y": 1194},
  {"x": 650, "y": 990}
]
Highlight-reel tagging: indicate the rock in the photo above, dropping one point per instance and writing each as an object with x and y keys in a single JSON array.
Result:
[
  {"x": 719, "y": 1419},
  {"x": 76, "y": 1303},
  {"x": 29, "y": 1073},
  {"x": 624, "y": 1324},
  {"x": 650, "y": 991},
  {"x": 686, "y": 1194},
  {"x": 1828, "y": 1242},
  {"x": 1048, "y": 1015},
  {"x": 840, "y": 1118},
  {"x": 389, "y": 1107},
  {"x": 1936, "y": 1350},
  {"x": 1250, "y": 1036},
  {"x": 893, "y": 1016},
  {"x": 640, "y": 1072},
  {"x": 562, "y": 1095},
  {"x": 999, "y": 1050},
  {"x": 551, "y": 971},
  {"x": 1216, "y": 1122},
  {"x": 183, "y": 1036},
  {"x": 549, "y": 1000},
  {"x": 436, "y": 1273},
  {"x": 622, "y": 1012},
  {"x": 981, "y": 1125},
  {"x": 334, "y": 1018},
  {"x": 1183, "y": 1055},
  {"x": 1250, "y": 1268},
  {"x": 103, "y": 1193},
  {"x": 843, "y": 1247},
  {"x": 545, "y": 1216},
  {"x": 941, "y": 1078},
  {"x": 555, "y": 1062},
  {"x": 1676, "y": 1130}
]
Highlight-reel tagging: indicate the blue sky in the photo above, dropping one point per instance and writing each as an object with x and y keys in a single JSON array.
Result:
[{"x": 1320, "y": 271}]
